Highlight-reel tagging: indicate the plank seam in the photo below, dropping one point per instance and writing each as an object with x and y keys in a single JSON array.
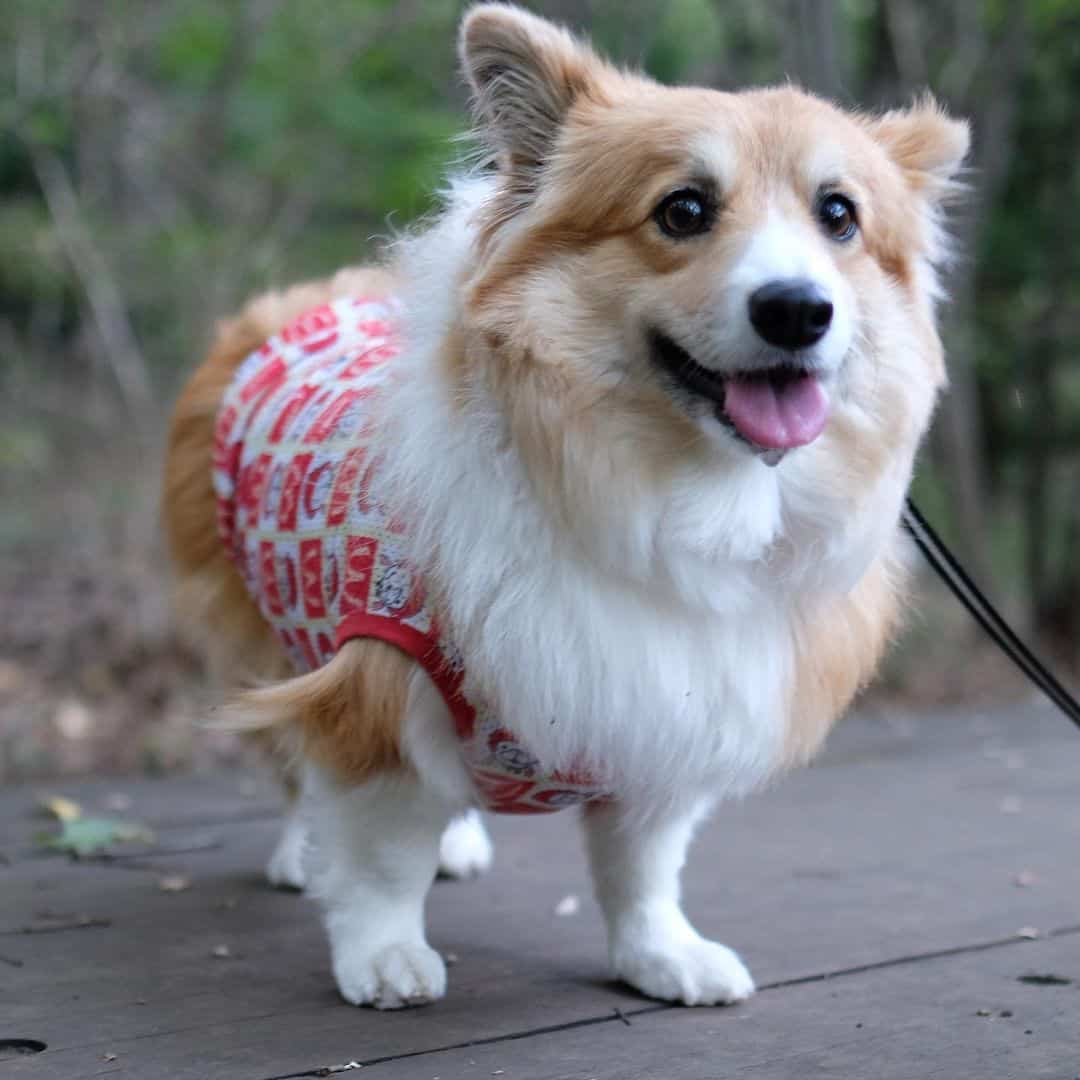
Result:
[{"x": 625, "y": 1016}]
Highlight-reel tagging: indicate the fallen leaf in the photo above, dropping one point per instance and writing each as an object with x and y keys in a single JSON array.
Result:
[
  {"x": 62, "y": 808},
  {"x": 174, "y": 883},
  {"x": 85, "y": 836},
  {"x": 982, "y": 1012}
]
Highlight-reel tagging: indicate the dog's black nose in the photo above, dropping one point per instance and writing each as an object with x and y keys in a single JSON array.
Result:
[{"x": 792, "y": 313}]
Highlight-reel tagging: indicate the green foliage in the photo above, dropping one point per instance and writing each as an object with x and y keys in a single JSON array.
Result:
[{"x": 217, "y": 148}]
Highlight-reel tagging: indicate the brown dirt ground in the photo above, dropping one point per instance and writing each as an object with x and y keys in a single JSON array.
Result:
[{"x": 94, "y": 680}]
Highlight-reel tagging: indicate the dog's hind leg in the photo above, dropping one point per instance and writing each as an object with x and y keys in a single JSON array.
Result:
[
  {"x": 465, "y": 849},
  {"x": 286, "y": 868},
  {"x": 636, "y": 862}
]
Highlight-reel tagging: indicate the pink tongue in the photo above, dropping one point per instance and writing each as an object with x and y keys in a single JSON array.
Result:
[{"x": 777, "y": 415}]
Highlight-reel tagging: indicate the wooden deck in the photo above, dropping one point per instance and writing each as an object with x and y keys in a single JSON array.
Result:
[{"x": 880, "y": 898}]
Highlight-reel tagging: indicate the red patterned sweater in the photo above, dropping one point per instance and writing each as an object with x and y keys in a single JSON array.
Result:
[{"x": 300, "y": 513}]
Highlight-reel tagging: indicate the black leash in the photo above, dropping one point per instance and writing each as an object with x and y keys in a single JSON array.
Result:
[{"x": 985, "y": 614}]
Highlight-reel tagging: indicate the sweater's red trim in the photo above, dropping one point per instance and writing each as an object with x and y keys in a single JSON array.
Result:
[{"x": 361, "y": 624}]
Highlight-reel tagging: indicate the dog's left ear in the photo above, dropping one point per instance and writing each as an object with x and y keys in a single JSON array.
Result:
[
  {"x": 525, "y": 74},
  {"x": 927, "y": 144}
]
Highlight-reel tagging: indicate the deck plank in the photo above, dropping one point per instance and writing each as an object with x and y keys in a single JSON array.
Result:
[
  {"x": 896, "y": 844},
  {"x": 919, "y": 1020}
]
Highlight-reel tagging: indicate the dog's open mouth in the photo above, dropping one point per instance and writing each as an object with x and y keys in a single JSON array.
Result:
[{"x": 773, "y": 410}]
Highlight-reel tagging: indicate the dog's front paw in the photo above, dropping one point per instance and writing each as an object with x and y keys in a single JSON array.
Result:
[
  {"x": 465, "y": 849},
  {"x": 392, "y": 976},
  {"x": 693, "y": 972}
]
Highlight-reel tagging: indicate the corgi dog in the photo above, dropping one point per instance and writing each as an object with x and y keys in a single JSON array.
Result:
[{"x": 588, "y": 496}]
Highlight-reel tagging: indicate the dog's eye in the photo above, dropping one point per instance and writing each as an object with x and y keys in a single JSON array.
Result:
[
  {"x": 683, "y": 213},
  {"x": 837, "y": 214}
]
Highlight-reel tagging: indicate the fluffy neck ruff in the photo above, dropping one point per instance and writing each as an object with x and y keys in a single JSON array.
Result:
[{"x": 634, "y": 619}]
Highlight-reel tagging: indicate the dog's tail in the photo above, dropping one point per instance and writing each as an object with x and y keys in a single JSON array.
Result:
[
  {"x": 347, "y": 714},
  {"x": 273, "y": 705}
]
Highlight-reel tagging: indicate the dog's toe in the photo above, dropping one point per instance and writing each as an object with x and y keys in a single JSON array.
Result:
[
  {"x": 391, "y": 977},
  {"x": 695, "y": 972}
]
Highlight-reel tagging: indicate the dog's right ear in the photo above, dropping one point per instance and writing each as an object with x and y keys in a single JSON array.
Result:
[{"x": 525, "y": 74}]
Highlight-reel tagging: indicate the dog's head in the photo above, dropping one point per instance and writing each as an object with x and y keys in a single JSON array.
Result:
[{"x": 708, "y": 316}]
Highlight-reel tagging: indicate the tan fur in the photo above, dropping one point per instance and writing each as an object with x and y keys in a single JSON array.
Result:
[
  {"x": 588, "y": 176},
  {"x": 837, "y": 651},
  {"x": 350, "y": 718},
  {"x": 773, "y": 133}
]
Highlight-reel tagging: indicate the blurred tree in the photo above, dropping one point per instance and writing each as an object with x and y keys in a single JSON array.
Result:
[
  {"x": 160, "y": 160},
  {"x": 1028, "y": 322},
  {"x": 973, "y": 55}
]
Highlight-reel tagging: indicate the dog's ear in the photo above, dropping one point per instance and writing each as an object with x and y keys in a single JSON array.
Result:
[
  {"x": 525, "y": 74},
  {"x": 927, "y": 144}
]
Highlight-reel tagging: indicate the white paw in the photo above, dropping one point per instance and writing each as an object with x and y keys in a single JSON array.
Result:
[
  {"x": 285, "y": 868},
  {"x": 465, "y": 849},
  {"x": 389, "y": 976},
  {"x": 694, "y": 972}
]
